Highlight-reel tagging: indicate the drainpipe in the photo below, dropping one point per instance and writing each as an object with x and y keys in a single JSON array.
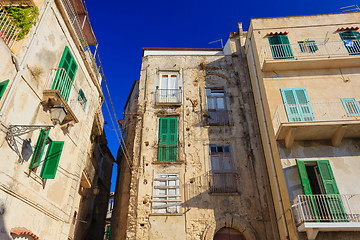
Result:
[
  {"x": 21, "y": 67},
  {"x": 268, "y": 142}
]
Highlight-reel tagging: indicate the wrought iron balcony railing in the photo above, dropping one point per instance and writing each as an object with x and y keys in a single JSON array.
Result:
[
  {"x": 217, "y": 118},
  {"x": 223, "y": 182},
  {"x": 168, "y": 153},
  {"x": 8, "y": 29},
  {"x": 168, "y": 96},
  {"x": 315, "y": 112},
  {"x": 311, "y": 50},
  {"x": 327, "y": 208}
]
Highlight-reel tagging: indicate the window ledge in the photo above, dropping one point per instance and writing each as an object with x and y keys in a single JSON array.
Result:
[
  {"x": 169, "y": 163},
  {"x": 34, "y": 176},
  {"x": 165, "y": 214},
  {"x": 224, "y": 194}
]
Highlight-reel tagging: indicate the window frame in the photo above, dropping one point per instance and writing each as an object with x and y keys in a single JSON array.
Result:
[
  {"x": 280, "y": 47},
  {"x": 309, "y": 46},
  {"x": 166, "y": 199},
  {"x": 349, "y": 109},
  {"x": 168, "y": 148},
  {"x": 297, "y": 112},
  {"x": 215, "y": 97},
  {"x": 82, "y": 98}
]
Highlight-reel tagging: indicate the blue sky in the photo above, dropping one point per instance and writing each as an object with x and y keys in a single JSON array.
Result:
[{"x": 123, "y": 28}]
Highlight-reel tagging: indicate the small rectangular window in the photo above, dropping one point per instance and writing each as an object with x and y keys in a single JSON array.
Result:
[
  {"x": 166, "y": 198},
  {"x": 351, "y": 106},
  {"x": 82, "y": 99}
]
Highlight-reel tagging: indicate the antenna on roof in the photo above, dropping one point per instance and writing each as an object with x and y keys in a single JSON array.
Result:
[
  {"x": 351, "y": 8},
  {"x": 220, "y": 40}
]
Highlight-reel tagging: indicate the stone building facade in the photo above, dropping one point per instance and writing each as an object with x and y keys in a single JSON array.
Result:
[
  {"x": 193, "y": 164},
  {"x": 46, "y": 167},
  {"x": 305, "y": 75}
]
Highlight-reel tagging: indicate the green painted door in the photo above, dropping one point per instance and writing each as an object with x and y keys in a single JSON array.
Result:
[
  {"x": 280, "y": 47},
  {"x": 65, "y": 74},
  {"x": 167, "y": 140}
]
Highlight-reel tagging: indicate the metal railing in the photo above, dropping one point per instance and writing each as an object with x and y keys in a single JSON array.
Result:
[
  {"x": 310, "y": 50},
  {"x": 168, "y": 152},
  {"x": 315, "y": 112},
  {"x": 168, "y": 96},
  {"x": 60, "y": 80},
  {"x": 224, "y": 182},
  {"x": 8, "y": 29},
  {"x": 78, "y": 27},
  {"x": 217, "y": 117},
  {"x": 327, "y": 208}
]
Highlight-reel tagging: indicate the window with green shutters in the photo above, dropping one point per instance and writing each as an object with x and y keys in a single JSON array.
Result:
[
  {"x": 107, "y": 232},
  {"x": 280, "y": 47},
  {"x": 168, "y": 138},
  {"x": 325, "y": 184},
  {"x": 46, "y": 156},
  {"x": 3, "y": 86},
  {"x": 65, "y": 74},
  {"x": 297, "y": 105},
  {"x": 82, "y": 99},
  {"x": 351, "y": 106},
  {"x": 351, "y": 41}
]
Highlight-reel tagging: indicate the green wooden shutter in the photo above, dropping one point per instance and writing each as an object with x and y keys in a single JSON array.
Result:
[
  {"x": 39, "y": 149},
  {"x": 62, "y": 82},
  {"x": 327, "y": 177},
  {"x": 297, "y": 104},
  {"x": 304, "y": 177},
  {"x": 51, "y": 162},
  {"x": 3, "y": 86},
  {"x": 167, "y": 139},
  {"x": 308, "y": 46},
  {"x": 334, "y": 202}
]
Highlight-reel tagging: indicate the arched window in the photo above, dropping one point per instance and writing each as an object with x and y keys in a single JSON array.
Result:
[{"x": 228, "y": 234}]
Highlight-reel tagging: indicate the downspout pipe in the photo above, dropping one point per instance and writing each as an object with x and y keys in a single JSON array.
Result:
[
  {"x": 268, "y": 141},
  {"x": 21, "y": 67}
]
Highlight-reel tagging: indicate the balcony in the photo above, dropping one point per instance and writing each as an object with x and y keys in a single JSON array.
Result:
[
  {"x": 217, "y": 118},
  {"x": 60, "y": 89},
  {"x": 8, "y": 29},
  {"x": 222, "y": 182},
  {"x": 168, "y": 153},
  {"x": 317, "y": 121},
  {"x": 332, "y": 212},
  {"x": 168, "y": 96},
  {"x": 311, "y": 55}
]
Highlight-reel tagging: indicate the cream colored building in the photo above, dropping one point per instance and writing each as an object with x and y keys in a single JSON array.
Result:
[
  {"x": 305, "y": 74},
  {"x": 45, "y": 168},
  {"x": 193, "y": 165}
]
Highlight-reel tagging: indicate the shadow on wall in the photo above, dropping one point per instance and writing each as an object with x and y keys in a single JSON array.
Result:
[{"x": 3, "y": 231}]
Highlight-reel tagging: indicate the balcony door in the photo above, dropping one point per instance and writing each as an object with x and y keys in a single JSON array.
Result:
[
  {"x": 318, "y": 182},
  {"x": 169, "y": 88},
  {"x": 280, "y": 47},
  {"x": 297, "y": 105},
  {"x": 351, "y": 41},
  {"x": 222, "y": 177}
]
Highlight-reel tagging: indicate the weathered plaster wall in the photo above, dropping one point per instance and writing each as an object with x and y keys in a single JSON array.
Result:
[
  {"x": 201, "y": 214},
  {"x": 44, "y": 209}
]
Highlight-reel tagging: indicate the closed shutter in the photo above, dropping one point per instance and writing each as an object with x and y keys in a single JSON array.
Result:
[
  {"x": 297, "y": 105},
  {"x": 3, "y": 86},
  {"x": 304, "y": 177},
  {"x": 39, "y": 149},
  {"x": 68, "y": 65},
  {"x": 351, "y": 106},
  {"x": 52, "y": 160},
  {"x": 168, "y": 139}
]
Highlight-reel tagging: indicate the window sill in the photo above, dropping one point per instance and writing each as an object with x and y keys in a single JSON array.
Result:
[
  {"x": 168, "y": 163},
  {"x": 224, "y": 194},
  {"x": 165, "y": 214},
  {"x": 34, "y": 176}
]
